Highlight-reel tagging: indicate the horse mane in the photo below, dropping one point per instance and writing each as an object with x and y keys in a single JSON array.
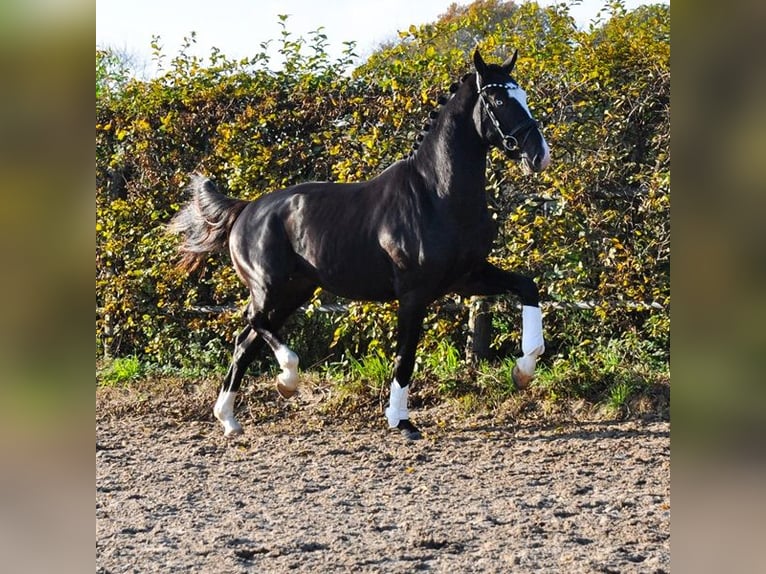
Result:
[{"x": 433, "y": 114}]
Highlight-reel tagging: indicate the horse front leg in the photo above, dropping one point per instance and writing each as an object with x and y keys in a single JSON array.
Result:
[
  {"x": 490, "y": 280},
  {"x": 532, "y": 345},
  {"x": 410, "y": 324}
]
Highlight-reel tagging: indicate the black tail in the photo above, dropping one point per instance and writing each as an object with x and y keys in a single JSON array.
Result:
[{"x": 204, "y": 222}]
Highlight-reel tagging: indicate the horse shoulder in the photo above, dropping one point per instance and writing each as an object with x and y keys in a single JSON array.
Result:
[{"x": 404, "y": 224}]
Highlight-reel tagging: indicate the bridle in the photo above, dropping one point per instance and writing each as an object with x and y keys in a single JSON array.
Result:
[{"x": 510, "y": 141}]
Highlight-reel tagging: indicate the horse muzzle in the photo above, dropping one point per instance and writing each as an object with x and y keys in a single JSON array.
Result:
[{"x": 537, "y": 163}]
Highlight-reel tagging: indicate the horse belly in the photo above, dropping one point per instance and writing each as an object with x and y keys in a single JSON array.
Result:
[
  {"x": 353, "y": 275},
  {"x": 378, "y": 293}
]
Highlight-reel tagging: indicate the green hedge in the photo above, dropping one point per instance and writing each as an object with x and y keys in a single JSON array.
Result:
[{"x": 593, "y": 227}]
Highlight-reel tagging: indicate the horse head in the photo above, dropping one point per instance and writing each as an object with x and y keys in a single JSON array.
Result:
[{"x": 505, "y": 119}]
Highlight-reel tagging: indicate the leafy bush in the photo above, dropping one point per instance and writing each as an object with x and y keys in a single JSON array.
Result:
[{"x": 593, "y": 227}]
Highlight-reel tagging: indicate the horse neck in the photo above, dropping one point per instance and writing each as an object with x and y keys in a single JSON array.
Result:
[{"x": 452, "y": 158}]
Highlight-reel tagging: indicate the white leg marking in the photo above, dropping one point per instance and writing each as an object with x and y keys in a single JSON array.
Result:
[
  {"x": 224, "y": 412},
  {"x": 287, "y": 380},
  {"x": 397, "y": 404},
  {"x": 532, "y": 343},
  {"x": 532, "y": 331}
]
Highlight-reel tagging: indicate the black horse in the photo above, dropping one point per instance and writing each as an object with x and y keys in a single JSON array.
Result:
[{"x": 414, "y": 233}]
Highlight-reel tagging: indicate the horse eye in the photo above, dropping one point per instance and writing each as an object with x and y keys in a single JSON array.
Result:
[{"x": 498, "y": 102}]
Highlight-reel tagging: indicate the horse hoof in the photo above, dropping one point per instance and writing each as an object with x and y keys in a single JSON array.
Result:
[
  {"x": 285, "y": 392},
  {"x": 233, "y": 432},
  {"x": 409, "y": 431},
  {"x": 520, "y": 379}
]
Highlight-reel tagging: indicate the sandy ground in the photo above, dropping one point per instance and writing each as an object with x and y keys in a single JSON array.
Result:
[{"x": 174, "y": 496}]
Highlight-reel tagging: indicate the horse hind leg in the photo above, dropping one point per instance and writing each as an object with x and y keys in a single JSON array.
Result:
[
  {"x": 248, "y": 343},
  {"x": 287, "y": 379},
  {"x": 245, "y": 349},
  {"x": 292, "y": 295}
]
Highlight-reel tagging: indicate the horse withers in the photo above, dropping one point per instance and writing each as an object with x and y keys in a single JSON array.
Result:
[{"x": 419, "y": 230}]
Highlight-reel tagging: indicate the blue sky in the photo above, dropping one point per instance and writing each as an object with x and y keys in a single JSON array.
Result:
[{"x": 237, "y": 27}]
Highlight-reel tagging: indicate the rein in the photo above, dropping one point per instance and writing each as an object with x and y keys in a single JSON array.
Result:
[{"x": 510, "y": 141}]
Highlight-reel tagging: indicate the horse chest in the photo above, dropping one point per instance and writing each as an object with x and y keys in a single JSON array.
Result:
[{"x": 472, "y": 238}]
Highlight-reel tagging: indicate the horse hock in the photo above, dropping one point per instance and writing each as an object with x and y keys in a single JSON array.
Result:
[{"x": 532, "y": 345}]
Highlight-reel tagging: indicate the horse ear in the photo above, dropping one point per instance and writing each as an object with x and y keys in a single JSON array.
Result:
[
  {"x": 478, "y": 62},
  {"x": 508, "y": 65}
]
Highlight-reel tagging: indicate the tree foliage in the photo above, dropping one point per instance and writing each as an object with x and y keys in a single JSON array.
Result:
[{"x": 593, "y": 227}]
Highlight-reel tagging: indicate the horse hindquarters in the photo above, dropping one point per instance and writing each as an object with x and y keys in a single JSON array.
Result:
[{"x": 264, "y": 260}]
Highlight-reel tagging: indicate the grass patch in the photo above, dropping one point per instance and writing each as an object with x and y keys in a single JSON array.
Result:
[
  {"x": 376, "y": 370},
  {"x": 616, "y": 376},
  {"x": 495, "y": 380},
  {"x": 604, "y": 379},
  {"x": 120, "y": 371},
  {"x": 352, "y": 384},
  {"x": 617, "y": 397}
]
